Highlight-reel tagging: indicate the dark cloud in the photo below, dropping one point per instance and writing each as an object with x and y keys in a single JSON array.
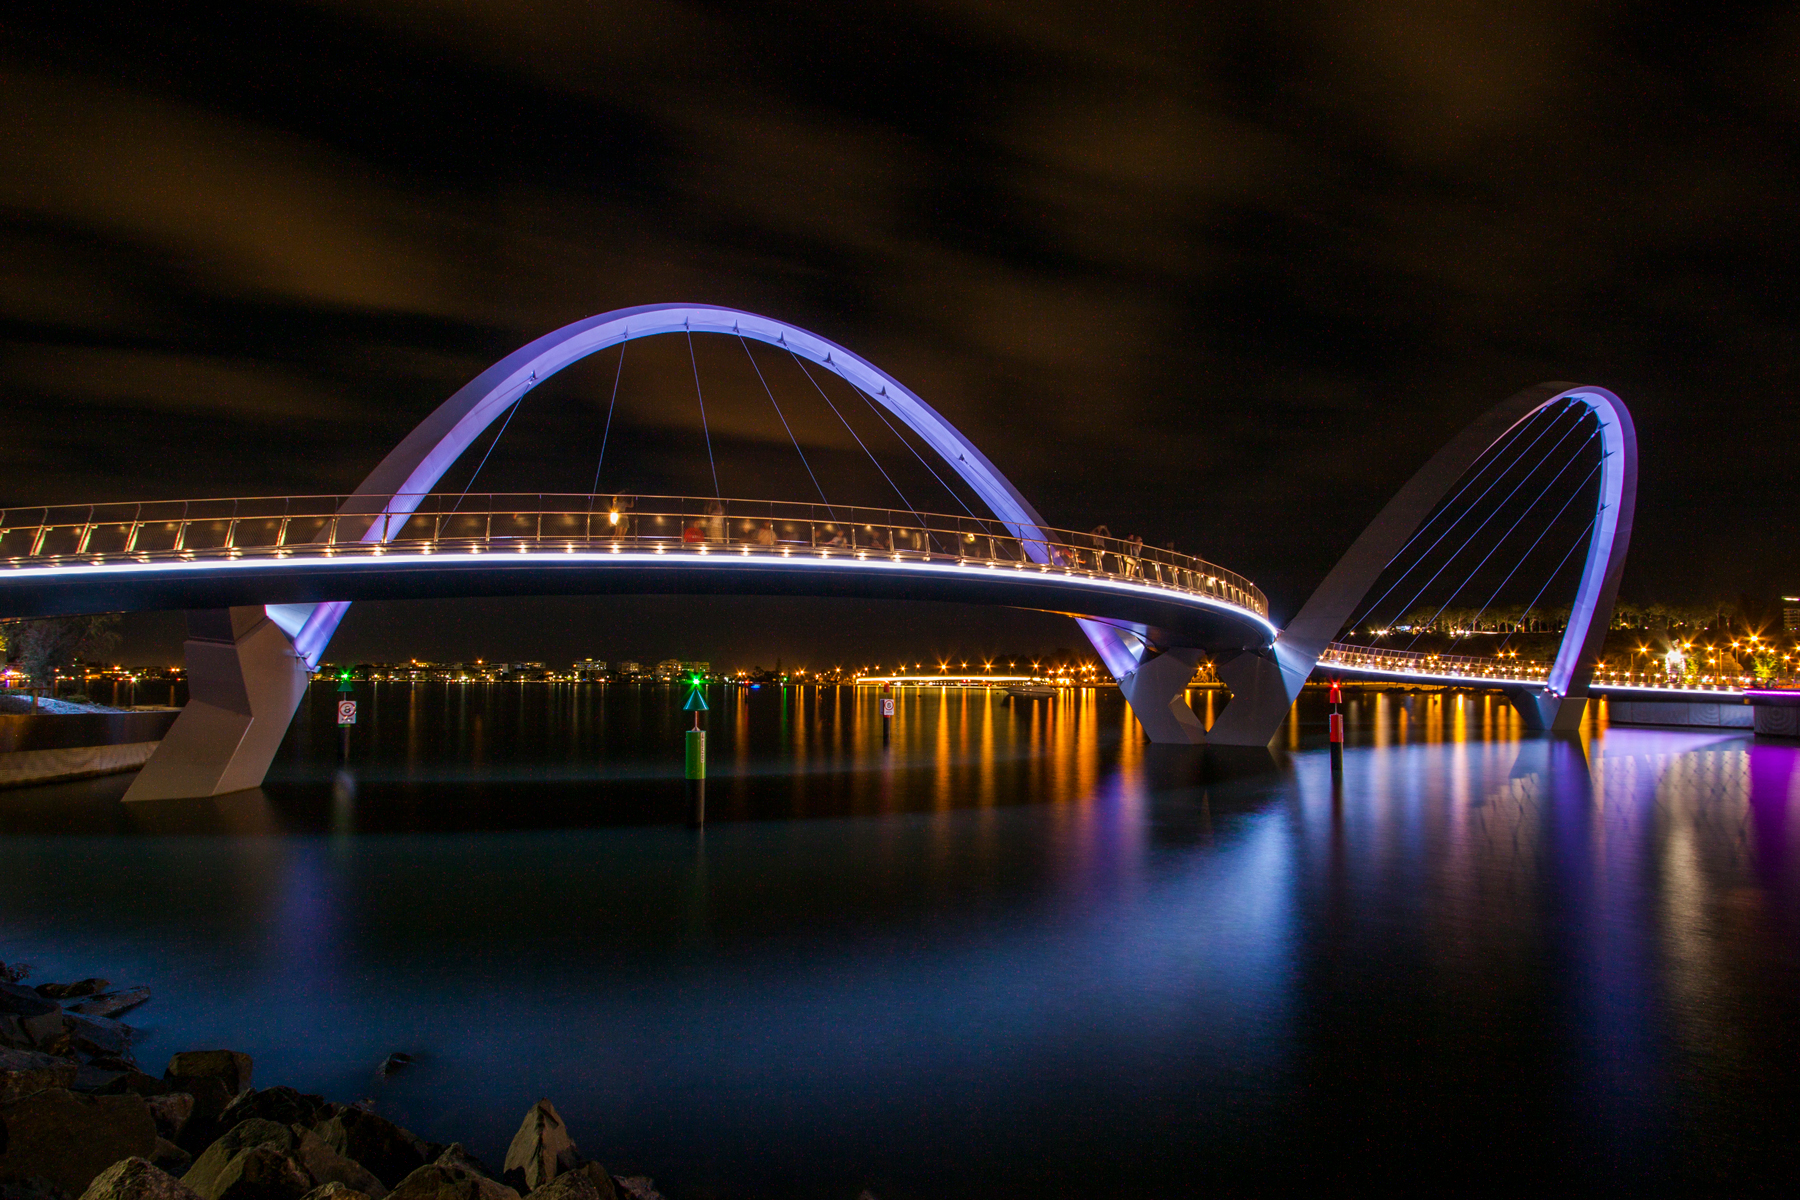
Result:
[{"x": 1222, "y": 274}]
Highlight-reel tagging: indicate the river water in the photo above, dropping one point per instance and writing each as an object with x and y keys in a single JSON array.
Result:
[{"x": 1004, "y": 948}]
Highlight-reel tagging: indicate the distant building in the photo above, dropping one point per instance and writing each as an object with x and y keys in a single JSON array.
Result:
[
  {"x": 668, "y": 669},
  {"x": 628, "y": 669},
  {"x": 589, "y": 668},
  {"x": 1790, "y": 613}
]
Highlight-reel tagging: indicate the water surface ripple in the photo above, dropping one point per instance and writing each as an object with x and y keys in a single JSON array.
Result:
[{"x": 1002, "y": 949}]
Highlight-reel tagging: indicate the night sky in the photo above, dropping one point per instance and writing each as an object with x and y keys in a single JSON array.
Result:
[{"x": 1222, "y": 275}]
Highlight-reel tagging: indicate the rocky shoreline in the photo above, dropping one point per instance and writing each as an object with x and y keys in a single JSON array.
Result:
[{"x": 80, "y": 1120}]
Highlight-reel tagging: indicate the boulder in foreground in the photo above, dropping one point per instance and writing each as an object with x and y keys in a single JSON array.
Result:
[
  {"x": 335, "y": 1191},
  {"x": 69, "y": 1138},
  {"x": 448, "y": 1181},
  {"x": 71, "y": 991},
  {"x": 23, "y": 1072},
  {"x": 229, "y": 1067},
  {"x": 388, "y": 1151},
  {"x": 586, "y": 1182},
  {"x": 136, "y": 1179},
  {"x": 540, "y": 1151}
]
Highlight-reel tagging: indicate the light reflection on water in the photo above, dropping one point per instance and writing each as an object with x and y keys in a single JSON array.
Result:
[{"x": 1001, "y": 948}]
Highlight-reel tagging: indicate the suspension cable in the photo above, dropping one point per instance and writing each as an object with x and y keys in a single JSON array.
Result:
[
  {"x": 742, "y": 341},
  {"x": 877, "y": 410},
  {"x": 607, "y": 432},
  {"x": 840, "y": 416},
  {"x": 695, "y": 363},
  {"x": 1501, "y": 540},
  {"x": 1369, "y": 609},
  {"x": 1531, "y": 549},
  {"x": 510, "y": 414},
  {"x": 1484, "y": 523},
  {"x": 1553, "y": 574}
]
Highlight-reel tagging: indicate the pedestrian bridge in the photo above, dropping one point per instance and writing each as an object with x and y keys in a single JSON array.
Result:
[{"x": 267, "y": 580}]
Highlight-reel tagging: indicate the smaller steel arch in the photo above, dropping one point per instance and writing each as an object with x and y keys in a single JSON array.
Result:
[{"x": 1265, "y": 684}]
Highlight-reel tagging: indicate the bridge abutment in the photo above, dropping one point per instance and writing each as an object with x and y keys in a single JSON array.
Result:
[{"x": 245, "y": 681}]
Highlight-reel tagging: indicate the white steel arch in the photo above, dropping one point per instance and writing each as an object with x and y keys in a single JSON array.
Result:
[
  {"x": 413, "y": 467},
  {"x": 1264, "y": 685}
]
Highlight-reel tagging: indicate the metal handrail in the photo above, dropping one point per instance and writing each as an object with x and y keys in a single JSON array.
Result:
[
  {"x": 282, "y": 526},
  {"x": 1475, "y": 667}
]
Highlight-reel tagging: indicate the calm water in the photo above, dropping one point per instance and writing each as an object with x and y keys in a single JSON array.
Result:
[{"x": 1010, "y": 951}]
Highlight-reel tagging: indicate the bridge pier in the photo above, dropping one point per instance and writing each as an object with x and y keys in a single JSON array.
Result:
[
  {"x": 1157, "y": 693},
  {"x": 245, "y": 681},
  {"x": 1544, "y": 713}
]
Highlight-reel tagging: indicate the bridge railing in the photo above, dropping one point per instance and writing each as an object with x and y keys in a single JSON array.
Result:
[
  {"x": 1494, "y": 670},
  {"x": 284, "y": 526},
  {"x": 1409, "y": 662}
]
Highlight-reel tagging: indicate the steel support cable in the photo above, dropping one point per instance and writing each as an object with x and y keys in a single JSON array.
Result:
[
  {"x": 742, "y": 341},
  {"x": 1484, "y": 523},
  {"x": 695, "y": 363},
  {"x": 1555, "y": 571},
  {"x": 1501, "y": 540},
  {"x": 1447, "y": 506},
  {"x": 840, "y": 416},
  {"x": 923, "y": 461},
  {"x": 510, "y": 414},
  {"x": 607, "y": 432},
  {"x": 1532, "y": 549}
]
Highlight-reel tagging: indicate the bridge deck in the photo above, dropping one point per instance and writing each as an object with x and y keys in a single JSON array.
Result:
[
  {"x": 300, "y": 549},
  {"x": 1374, "y": 662}
]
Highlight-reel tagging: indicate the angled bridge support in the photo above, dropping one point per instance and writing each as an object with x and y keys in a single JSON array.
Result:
[{"x": 244, "y": 682}]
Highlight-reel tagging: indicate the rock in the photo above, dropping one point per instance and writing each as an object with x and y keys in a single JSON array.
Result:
[
  {"x": 586, "y": 1182},
  {"x": 457, "y": 1155},
  {"x": 27, "y": 1020},
  {"x": 258, "y": 1173},
  {"x": 69, "y": 1138},
  {"x": 137, "y": 1082},
  {"x": 397, "y": 1061},
  {"x": 118, "y": 1066},
  {"x": 280, "y": 1104},
  {"x": 89, "y": 1078},
  {"x": 23, "y": 1072},
  {"x": 14, "y": 973},
  {"x": 334, "y": 1191},
  {"x": 540, "y": 1151},
  {"x": 210, "y": 1099},
  {"x": 136, "y": 1179},
  {"x": 171, "y": 1113},
  {"x": 227, "y": 1066},
  {"x": 70, "y": 991},
  {"x": 439, "y": 1181},
  {"x": 101, "y": 1036},
  {"x": 637, "y": 1187},
  {"x": 171, "y": 1158},
  {"x": 212, "y": 1078},
  {"x": 388, "y": 1151},
  {"x": 326, "y": 1165},
  {"x": 204, "y": 1175},
  {"x": 108, "y": 1004}
]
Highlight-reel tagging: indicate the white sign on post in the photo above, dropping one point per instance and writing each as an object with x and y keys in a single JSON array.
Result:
[
  {"x": 887, "y": 706},
  {"x": 346, "y": 712}
]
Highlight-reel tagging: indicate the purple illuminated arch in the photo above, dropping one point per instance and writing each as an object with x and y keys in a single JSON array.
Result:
[
  {"x": 415, "y": 466},
  {"x": 1263, "y": 688}
]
